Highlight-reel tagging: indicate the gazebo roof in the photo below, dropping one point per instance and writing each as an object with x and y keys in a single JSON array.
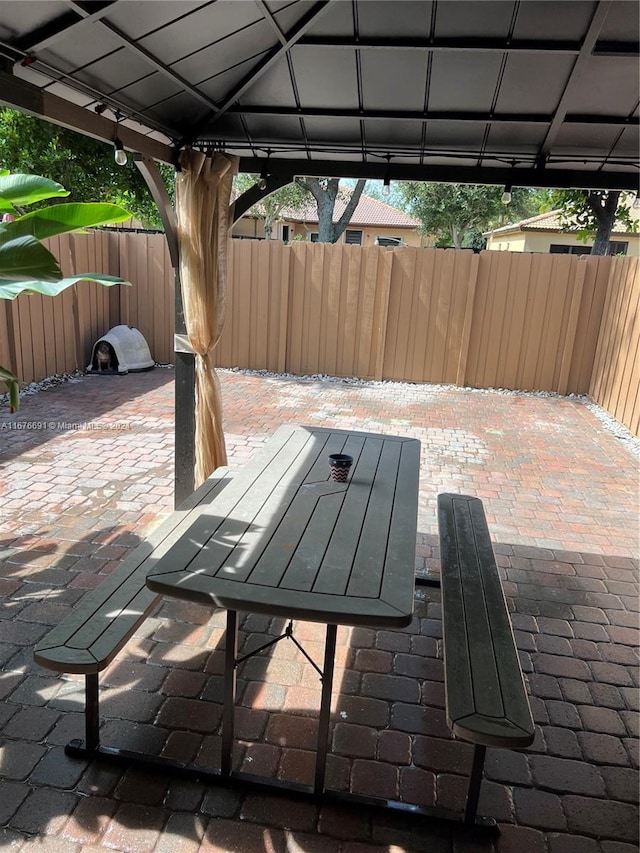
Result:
[{"x": 518, "y": 91}]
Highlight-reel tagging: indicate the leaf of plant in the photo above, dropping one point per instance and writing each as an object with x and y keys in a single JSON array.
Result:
[
  {"x": 12, "y": 289},
  {"x": 24, "y": 259},
  {"x": 27, "y": 189},
  {"x": 63, "y": 218}
]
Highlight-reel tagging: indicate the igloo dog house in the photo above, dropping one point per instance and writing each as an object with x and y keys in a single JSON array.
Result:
[{"x": 121, "y": 350}]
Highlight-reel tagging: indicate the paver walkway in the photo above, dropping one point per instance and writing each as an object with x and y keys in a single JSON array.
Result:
[{"x": 91, "y": 469}]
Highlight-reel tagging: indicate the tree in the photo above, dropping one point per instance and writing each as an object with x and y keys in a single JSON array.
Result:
[
  {"x": 269, "y": 209},
  {"x": 84, "y": 166},
  {"x": 457, "y": 213},
  {"x": 595, "y": 212},
  {"x": 25, "y": 264},
  {"x": 325, "y": 191}
]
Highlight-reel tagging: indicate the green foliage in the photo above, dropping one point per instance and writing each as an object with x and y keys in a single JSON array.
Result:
[
  {"x": 588, "y": 211},
  {"x": 85, "y": 166},
  {"x": 299, "y": 194},
  {"x": 457, "y": 214},
  {"x": 269, "y": 209},
  {"x": 25, "y": 264}
]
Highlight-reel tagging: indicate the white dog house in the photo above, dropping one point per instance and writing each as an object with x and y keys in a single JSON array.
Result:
[{"x": 126, "y": 350}]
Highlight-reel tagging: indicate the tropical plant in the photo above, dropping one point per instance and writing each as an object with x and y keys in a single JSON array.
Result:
[
  {"x": 84, "y": 166},
  {"x": 25, "y": 264}
]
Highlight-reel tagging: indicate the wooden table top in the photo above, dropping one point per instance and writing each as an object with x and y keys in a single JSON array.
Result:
[{"x": 282, "y": 538}]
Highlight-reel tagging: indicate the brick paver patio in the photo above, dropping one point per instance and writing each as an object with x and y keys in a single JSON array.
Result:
[{"x": 91, "y": 469}]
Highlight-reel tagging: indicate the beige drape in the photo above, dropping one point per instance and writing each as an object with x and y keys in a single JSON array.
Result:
[{"x": 203, "y": 193}]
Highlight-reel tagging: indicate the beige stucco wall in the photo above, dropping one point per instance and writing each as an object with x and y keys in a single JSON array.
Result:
[
  {"x": 248, "y": 227},
  {"x": 369, "y": 233},
  {"x": 529, "y": 241}
]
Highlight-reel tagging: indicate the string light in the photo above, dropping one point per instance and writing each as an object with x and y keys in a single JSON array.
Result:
[
  {"x": 264, "y": 174},
  {"x": 119, "y": 154},
  {"x": 506, "y": 195}
]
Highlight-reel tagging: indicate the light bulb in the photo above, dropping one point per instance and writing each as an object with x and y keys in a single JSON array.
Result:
[
  {"x": 636, "y": 203},
  {"x": 506, "y": 196},
  {"x": 386, "y": 189},
  {"x": 119, "y": 155},
  {"x": 262, "y": 183}
]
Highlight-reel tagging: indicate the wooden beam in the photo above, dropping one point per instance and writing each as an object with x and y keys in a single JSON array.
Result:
[{"x": 24, "y": 96}]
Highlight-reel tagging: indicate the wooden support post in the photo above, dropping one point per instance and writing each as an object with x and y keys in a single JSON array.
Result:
[{"x": 185, "y": 381}]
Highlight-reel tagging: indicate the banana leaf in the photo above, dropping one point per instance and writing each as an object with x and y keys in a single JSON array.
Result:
[
  {"x": 61, "y": 219},
  {"x": 24, "y": 259},
  {"x": 27, "y": 189},
  {"x": 12, "y": 289}
]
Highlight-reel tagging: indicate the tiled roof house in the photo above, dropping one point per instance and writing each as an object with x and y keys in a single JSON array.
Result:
[
  {"x": 545, "y": 233},
  {"x": 373, "y": 223}
]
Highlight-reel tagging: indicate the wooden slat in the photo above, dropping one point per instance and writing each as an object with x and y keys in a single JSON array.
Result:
[{"x": 485, "y": 694}]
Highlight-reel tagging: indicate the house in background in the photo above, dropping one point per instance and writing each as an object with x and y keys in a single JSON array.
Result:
[
  {"x": 373, "y": 223},
  {"x": 544, "y": 233}
]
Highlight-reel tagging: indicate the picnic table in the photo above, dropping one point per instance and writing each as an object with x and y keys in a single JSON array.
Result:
[
  {"x": 285, "y": 539},
  {"x": 281, "y": 537}
]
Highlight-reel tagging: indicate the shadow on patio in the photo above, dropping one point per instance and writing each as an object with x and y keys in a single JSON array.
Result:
[{"x": 560, "y": 491}]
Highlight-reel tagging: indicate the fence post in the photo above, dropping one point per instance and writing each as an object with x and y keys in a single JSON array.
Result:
[
  {"x": 572, "y": 326},
  {"x": 468, "y": 320}
]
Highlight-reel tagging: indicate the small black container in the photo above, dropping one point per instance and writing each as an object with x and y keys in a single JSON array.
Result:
[{"x": 339, "y": 464}]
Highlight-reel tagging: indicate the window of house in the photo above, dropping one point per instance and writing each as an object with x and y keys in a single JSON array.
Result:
[
  {"x": 354, "y": 238},
  {"x": 560, "y": 249},
  {"x": 388, "y": 241},
  {"x": 285, "y": 233},
  {"x": 616, "y": 247},
  {"x": 313, "y": 236}
]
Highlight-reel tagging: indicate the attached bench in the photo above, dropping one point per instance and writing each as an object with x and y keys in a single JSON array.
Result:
[
  {"x": 486, "y": 699},
  {"x": 90, "y": 637}
]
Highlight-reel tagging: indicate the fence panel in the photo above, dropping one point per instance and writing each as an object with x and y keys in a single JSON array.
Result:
[
  {"x": 525, "y": 317},
  {"x": 255, "y": 331},
  {"x": 427, "y": 310},
  {"x": 594, "y": 292},
  {"x": 500, "y": 319},
  {"x": 149, "y": 304},
  {"x": 337, "y": 309},
  {"x": 615, "y": 384}
]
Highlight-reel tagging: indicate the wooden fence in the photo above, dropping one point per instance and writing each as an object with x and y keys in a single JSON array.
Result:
[{"x": 494, "y": 320}]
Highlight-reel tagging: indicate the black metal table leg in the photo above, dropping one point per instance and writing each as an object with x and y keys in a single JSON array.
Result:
[
  {"x": 91, "y": 712},
  {"x": 325, "y": 708},
  {"x": 475, "y": 781},
  {"x": 228, "y": 711}
]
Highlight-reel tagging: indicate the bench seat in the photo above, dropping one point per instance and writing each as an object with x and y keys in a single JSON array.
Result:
[
  {"x": 89, "y": 638},
  {"x": 486, "y": 699}
]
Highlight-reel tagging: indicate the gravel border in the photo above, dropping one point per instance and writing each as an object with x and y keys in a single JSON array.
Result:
[{"x": 610, "y": 423}]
